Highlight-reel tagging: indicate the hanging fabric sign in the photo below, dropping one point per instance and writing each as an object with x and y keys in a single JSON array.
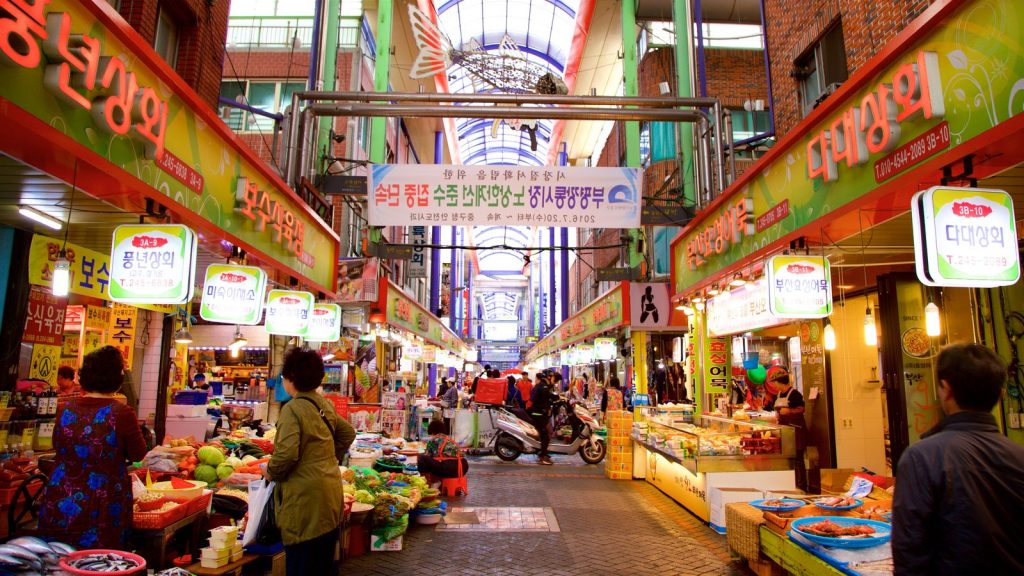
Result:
[
  {"x": 288, "y": 312},
  {"x": 121, "y": 332},
  {"x": 799, "y": 286},
  {"x": 965, "y": 237},
  {"x": 439, "y": 195},
  {"x": 233, "y": 294},
  {"x": 152, "y": 264}
]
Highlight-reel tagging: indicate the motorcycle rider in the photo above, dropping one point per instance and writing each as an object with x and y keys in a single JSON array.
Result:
[{"x": 541, "y": 398}]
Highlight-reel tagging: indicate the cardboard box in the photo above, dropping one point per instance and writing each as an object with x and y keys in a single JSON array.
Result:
[
  {"x": 620, "y": 450},
  {"x": 618, "y": 475},
  {"x": 834, "y": 479},
  {"x": 378, "y": 544}
]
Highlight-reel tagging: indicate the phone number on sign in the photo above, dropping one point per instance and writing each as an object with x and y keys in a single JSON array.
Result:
[{"x": 928, "y": 144}]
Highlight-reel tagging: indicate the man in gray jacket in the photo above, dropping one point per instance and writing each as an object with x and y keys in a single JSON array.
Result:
[{"x": 959, "y": 502}]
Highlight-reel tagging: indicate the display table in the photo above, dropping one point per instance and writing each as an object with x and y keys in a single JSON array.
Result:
[
  {"x": 794, "y": 558},
  {"x": 152, "y": 544}
]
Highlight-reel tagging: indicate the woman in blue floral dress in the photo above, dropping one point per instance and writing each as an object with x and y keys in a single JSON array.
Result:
[{"x": 88, "y": 500}]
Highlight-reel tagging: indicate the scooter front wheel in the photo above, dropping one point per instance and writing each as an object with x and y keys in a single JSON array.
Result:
[
  {"x": 507, "y": 448},
  {"x": 593, "y": 453}
]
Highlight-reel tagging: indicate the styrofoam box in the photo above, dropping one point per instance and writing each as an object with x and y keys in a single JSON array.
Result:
[
  {"x": 186, "y": 411},
  {"x": 379, "y": 545},
  {"x": 183, "y": 427}
]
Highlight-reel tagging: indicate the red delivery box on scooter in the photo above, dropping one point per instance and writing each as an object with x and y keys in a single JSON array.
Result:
[{"x": 491, "y": 391}]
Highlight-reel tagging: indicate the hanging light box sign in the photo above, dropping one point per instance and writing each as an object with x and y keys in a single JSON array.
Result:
[
  {"x": 585, "y": 354},
  {"x": 441, "y": 357},
  {"x": 324, "y": 323},
  {"x": 429, "y": 354},
  {"x": 563, "y": 358},
  {"x": 233, "y": 294},
  {"x": 799, "y": 286},
  {"x": 288, "y": 312},
  {"x": 412, "y": 351},
  {"x": 573, "y": 357},
  {"x": 740, "y": 309},
  {"x": 604, "y": 348},
  {"x": 965, "y": 237},
  {"x": 152, "y": 264}
]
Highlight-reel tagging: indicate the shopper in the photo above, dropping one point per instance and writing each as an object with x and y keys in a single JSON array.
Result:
[
  {"x": 612, "y": 397},
  {"x": 959, "y": 502},
  {"x": 442, "y": 388},
  {"x": 311, "y": 441},
  {"x": 442, "y": 457},
  {"x": 541, "y": 399},
  {"x": 512, "y": 396},
  {"x": 525, "y": 386},
  {"x": 88, "y": 500}
]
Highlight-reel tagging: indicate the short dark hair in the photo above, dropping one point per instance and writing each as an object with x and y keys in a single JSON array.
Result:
[
  {"x": 66, "y": 372},
  {"x": 975, "y": 375},
  {"x": 614, "y": 382},
  {"x": 436, "y": 427},
  {"x": 305, "y": 368},
  {"x": 102, "y": 371}
]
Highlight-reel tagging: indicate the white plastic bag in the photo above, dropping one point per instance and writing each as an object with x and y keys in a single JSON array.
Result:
[
  {"x": 260, "y": 493},
  {"x": 138, "y": 488}
]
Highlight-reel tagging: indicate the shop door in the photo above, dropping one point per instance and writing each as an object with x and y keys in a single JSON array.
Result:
[{"x": 908, "y": 362}]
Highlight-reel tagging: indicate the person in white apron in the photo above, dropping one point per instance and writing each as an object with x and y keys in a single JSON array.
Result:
[{"x": 789, "y": 404}]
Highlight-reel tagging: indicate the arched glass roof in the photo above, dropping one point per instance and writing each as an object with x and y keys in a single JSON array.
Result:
[{"x": 542, "y": 30}]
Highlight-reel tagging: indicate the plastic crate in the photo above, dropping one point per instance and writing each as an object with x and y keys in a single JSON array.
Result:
[
  {"x": 191, "y": 397},
  {"x": 7, "y": 494},
  {"x": 199, "y": 503},
  {"x": 157, "y": 520}
]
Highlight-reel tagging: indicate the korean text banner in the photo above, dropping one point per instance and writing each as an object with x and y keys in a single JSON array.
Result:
[
  {"x": 152, "y": 264},
  {"x": 431, "y": 195},
  {"x": 288, "y": 312}
]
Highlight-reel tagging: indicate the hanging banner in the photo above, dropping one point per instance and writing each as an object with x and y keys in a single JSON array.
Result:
[
  {"x": 605, "y": 349},
  {"x": 324, "y": 324},
  {"x": 412, "y": 351},
  {"x": 417, "y": 267},
  {"x": 90, "y": 270},
  {"x": 740, "y": 309},
  {"x": 233, "y": 294},
  {"x": 357, "y": 280},
  {"x": 649, "y": 306},
  {"x": 965, "y": 237},
  {"x": 74, "y": 318},
  {"x": 152, "y": 264},
  {"x": 716, "y": 366},
  {"x": 429, "y": 354},
  {"x": 799, "y": 287},
  {"x": 441, "y": 357},
  {"x": 440, "y": 195},
  {"x": 288, "y": 312},
  {"x": 44, "y": 323},
  {"x": 97, "y": 318},
  {"x": 121, "y": 331}
]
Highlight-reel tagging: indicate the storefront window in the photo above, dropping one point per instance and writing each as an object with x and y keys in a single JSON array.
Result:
[
  {"x": 166, "y": 41},
  {"x": 822, "y": 69}
]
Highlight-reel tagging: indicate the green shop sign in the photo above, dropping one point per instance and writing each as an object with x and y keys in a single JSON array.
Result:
[
  {"x": 404, "y": 312},
  {"x": 233, "y": 294},
  {"x": 960, "y": 80},
  {"x": 68, "y": 66},
  {"x": 152, "y": 264},
  {"x": 799, "y": 286},
  {"x": 603, "y": 314},
  {"x": 288, "y": 312}
]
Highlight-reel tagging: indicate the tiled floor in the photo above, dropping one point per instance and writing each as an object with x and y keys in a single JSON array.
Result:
[
  {"x": 507, "y": 519},
  {"x": 595, "y": 527}
]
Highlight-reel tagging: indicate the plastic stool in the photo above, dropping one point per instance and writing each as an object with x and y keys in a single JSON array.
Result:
[{"x": 452, "y": 486}]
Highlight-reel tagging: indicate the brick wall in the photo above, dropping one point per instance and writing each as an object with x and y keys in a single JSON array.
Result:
[
  {"x": 733, "y": 76},
  {"x": 202, "y": 29},
  {"x": 793, "y": 26}
]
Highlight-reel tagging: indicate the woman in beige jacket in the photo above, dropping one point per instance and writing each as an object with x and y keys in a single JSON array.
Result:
[{"x": 311, "y": 441}]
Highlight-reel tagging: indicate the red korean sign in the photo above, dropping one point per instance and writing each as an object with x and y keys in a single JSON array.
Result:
[{"x": 45, "y": 321}]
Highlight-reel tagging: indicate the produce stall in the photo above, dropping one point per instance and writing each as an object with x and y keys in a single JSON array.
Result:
[{"x": 704, "y": 462}]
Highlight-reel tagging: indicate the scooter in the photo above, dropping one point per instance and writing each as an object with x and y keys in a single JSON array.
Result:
[{"x": 517, "y": 435}]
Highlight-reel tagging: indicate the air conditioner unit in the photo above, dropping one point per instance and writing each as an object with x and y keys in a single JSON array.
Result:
[{"x": 827, "y": 92}]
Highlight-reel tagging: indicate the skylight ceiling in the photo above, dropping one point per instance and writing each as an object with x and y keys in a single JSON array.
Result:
[{"x": 543, "y": 31}]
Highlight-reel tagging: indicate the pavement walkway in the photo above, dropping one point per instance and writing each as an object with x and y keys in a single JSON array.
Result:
[{"x": 557, "y": 520}]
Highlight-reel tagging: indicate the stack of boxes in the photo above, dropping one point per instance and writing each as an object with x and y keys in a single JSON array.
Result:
[
  {"x": 224, "y": 548},
  {"x": 618, "y": 464}
]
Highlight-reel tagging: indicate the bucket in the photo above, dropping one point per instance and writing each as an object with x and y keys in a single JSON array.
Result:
[{"x": 750, "y": 360}]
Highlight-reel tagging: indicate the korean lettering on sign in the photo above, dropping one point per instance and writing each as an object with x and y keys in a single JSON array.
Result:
[
  {"x": 715, "y": 237},
  {"x": 874, "y": 126},
  {"x": 447, "y": 195},
  {"x": 121, "y": 332},
  {"x": 418, "y": 264},
  {"x": 79, "y": 74},
  {"x": 288, "y": 312},
  {"x": 152, "y": 264},
  {"x": 263, "y": 210},
  {"x": 44, "y": 323},
  {"x": 799, "y": 286},
  {"x": 717, "y": 356}
]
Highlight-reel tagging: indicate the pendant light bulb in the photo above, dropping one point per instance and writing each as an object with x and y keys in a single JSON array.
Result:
[
  {"x": 870, "y": 330},
  {"x": 829, "y": 336},
  {"x": 932, "y": 325},
  {"x": 61, "y": 275}
]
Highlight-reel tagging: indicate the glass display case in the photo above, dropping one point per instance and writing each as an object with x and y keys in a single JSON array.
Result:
[{"x": 715, "y": 444}]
